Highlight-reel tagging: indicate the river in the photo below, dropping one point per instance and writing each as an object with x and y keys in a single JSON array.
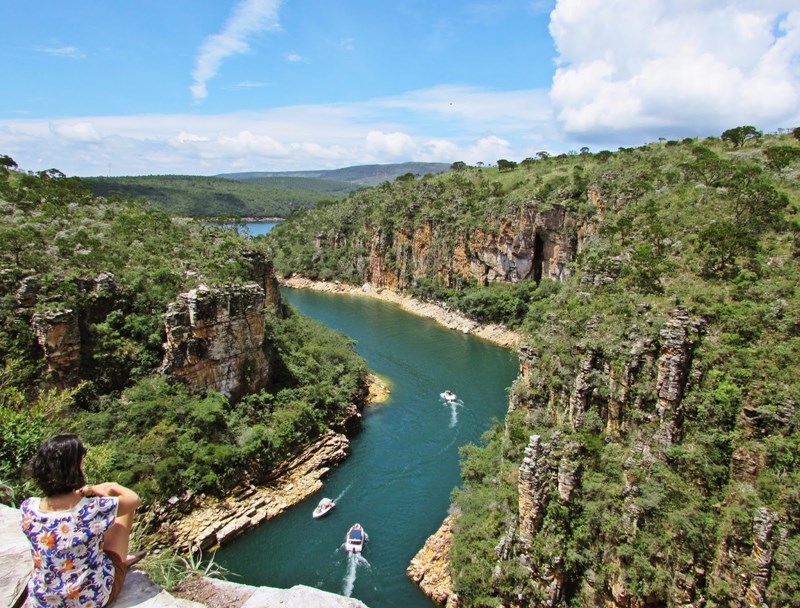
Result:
[{"x": 404, "y": 462}]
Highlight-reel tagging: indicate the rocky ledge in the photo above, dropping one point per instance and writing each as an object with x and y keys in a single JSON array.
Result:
[
  {"x": 430, "y": 567},
  {"x": 216, "y": 521}
]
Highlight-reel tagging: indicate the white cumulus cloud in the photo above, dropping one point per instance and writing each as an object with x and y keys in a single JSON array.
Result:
[
  {"x": 389, "y": 146},
  {"x": 657, "y": 67},
  {"x": 248, "y": 18},
  {"x": 76, "y": 131}
]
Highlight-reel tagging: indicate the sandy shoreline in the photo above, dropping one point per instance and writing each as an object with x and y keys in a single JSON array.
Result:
[{"x": 496, "y": 334}]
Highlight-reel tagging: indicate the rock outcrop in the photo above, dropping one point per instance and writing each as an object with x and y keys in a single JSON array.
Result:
[
  {"x": 680, "y": 336},
  {"x": 215, "y": 339},
  {"x": 430, "y": 567},
  {"x": 59, "y": 336}
]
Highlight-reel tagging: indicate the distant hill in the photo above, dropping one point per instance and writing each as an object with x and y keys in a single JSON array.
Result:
[
  {"x": 253, "y": 194},
  {"x": 192, "y": 196},
  {"x": 363, "y": 175}
]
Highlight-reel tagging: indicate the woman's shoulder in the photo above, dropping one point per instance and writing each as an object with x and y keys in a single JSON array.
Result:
[{"x": 29, "y": 504}]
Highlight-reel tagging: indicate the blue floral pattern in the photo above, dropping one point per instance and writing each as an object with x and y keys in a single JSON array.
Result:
[{"x": 70, "y": 568}]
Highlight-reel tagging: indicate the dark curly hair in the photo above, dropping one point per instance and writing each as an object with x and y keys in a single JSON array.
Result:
[{"x": 56, "y": 466}]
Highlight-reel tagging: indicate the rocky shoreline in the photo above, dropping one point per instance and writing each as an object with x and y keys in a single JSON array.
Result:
[
  {"x": 202, "y": 523},
  {"x": 430, "y": 567},
  {"x": 496, "y": 334}
]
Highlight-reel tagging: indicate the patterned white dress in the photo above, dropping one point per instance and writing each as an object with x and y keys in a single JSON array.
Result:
[{"x": 70, "y": 569}]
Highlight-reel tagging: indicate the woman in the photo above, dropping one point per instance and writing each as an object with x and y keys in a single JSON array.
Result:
[{"x": 79, "y": 534}]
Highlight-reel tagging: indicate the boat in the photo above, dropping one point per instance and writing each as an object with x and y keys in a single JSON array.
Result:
[
  {"x": 449, "y": 395},
  {"x": 323, "y": 508},
  {"x": 355, "y": 539}
]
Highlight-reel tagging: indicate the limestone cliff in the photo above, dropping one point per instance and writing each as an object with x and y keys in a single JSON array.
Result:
[
  {"x": 215, "y": 339},
  {"x": 529, "y": 244}
]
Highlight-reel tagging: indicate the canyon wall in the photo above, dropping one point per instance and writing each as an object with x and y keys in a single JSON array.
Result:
[{"x": 529, "y": 244}]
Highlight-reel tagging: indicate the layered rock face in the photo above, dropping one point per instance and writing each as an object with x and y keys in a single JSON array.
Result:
[
  {"x": 632, "y": 398},
  {"x": 529, "y": 245},
  {"x": 60, "y": 338},
  {"x": 215, "y": 339},
  {"x": 430, "y": 567}
]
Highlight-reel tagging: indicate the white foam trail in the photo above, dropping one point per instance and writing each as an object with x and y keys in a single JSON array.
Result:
[
  {"x": 354, "y": 560},
  {"x": 343, "y": 492},
  {"x": 454, "y": 404}
]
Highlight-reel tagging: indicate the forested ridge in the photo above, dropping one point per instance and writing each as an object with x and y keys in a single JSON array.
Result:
[
  {"x": 197, "y": 196},
  {"x": 251, "y": 194},
  {"x": 651, "y": 455},
  {"x": 115, "y": 265}
]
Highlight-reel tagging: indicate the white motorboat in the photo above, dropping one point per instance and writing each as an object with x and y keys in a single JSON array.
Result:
[
  {"x": 355, "y": 539},
  {"x": 449, "y": 395},
  {"x": 323, "y": 508}
]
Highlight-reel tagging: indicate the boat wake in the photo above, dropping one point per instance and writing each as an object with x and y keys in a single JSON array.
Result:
[
  {"x": 343, "y": 492},
  {"x": 354, "y": 560},
  {"x": 453, "y": 402}
]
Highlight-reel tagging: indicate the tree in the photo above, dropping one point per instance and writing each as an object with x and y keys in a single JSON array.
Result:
[
  {"x": 506, "y": 165},
  {"x": 796, "y": 133},
  {"x": 779, "y": 157},
  {"x": 739, "y": 135},
  {"x": 7, "y": 162},
  {"x": 459, "y": 165}
]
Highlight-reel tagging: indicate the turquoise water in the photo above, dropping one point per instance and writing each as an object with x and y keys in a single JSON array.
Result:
[
  {"x": 260, "y": 228},
  {"x": 404, "y": 462}
]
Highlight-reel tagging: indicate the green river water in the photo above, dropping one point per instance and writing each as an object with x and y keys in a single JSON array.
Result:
[{"x": 404, "y": 462}]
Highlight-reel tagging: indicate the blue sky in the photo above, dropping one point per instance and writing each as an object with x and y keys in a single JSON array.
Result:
[{"x": 112, "y": 87}]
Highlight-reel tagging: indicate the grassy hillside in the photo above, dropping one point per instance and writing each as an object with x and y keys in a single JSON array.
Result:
[{"x": 702, "y": 230}]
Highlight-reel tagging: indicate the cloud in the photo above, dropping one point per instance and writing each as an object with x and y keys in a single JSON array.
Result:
[
  {"x": 250, "y": 84},
  {"x": 293, "y": 57},
  {"x": 666, "y": 66},
  {"x": 64, "y": 51},
  {"x": 395, "y": 146},
  {"x": 441, "y": 124},
  {"x": 77, "y": 131},
  {"x": 249, "y": 17}
]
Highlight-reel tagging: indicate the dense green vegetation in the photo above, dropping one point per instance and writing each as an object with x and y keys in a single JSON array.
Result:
[
  {"x": 159, "y": 437},
  {"x": 710, "y": 226},
  {"x": 196, "y": 196}
]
